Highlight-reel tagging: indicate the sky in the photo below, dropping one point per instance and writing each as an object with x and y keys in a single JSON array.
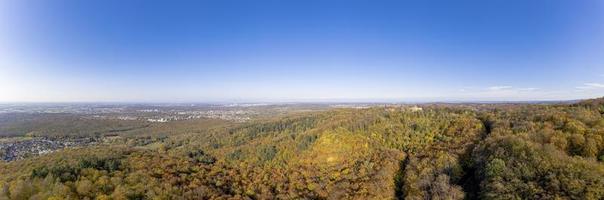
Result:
[{"x": 300, "y": 50}]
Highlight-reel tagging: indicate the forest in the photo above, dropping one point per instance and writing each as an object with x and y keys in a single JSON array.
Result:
[{"x": 439, "y": 151}]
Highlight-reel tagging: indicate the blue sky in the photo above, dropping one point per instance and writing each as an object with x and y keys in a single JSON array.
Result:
[{"x": 227, "y": 50}]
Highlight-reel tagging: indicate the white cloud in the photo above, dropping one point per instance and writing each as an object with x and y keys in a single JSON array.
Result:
[
  {"x": 496, "y": 88},
  {"x": 510, "y": 89},
  {"x": 527, "y": 89},
  {"x": 597, "y": 85},
  {"x": 590, "y": 86},
  {"x": 509, "y": 93}
]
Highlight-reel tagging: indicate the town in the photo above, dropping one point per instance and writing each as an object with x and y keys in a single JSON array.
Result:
[{"x": 20, "y": 149}]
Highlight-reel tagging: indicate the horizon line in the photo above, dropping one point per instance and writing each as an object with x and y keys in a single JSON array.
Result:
[{"x": 338, "y": 101}]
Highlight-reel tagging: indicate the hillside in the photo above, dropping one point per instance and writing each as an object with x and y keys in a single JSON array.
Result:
[{"x": 497, "y": 151}]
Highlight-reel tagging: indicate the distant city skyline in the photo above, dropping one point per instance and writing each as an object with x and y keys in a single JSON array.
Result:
[{"x": 300, "y": 51}]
